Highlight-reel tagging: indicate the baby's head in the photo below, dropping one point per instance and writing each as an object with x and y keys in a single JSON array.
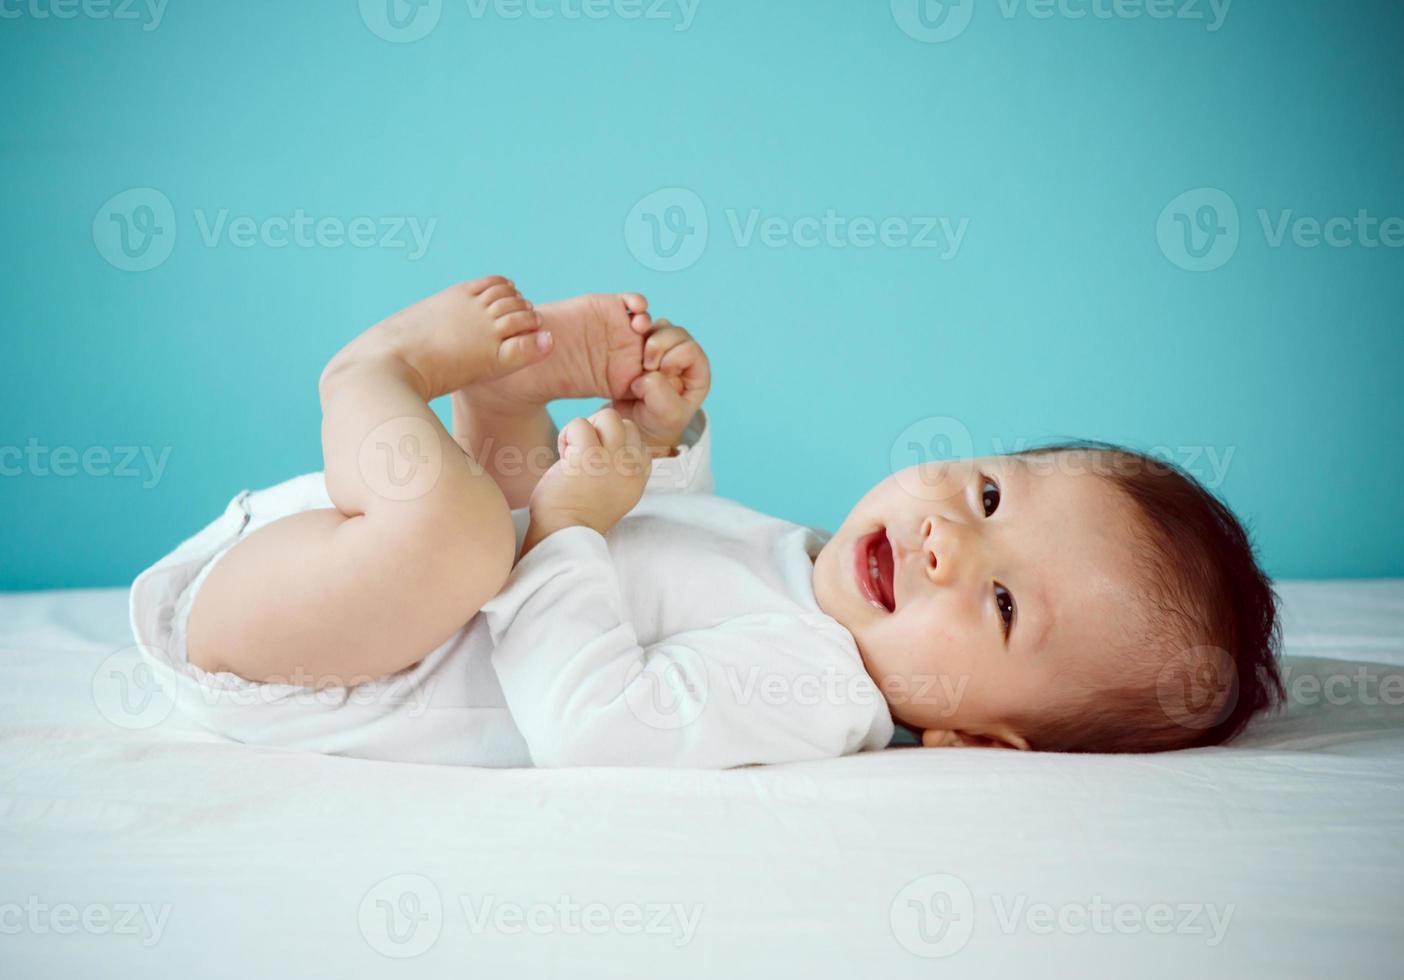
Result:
[{"x": 1073, "y": 598}]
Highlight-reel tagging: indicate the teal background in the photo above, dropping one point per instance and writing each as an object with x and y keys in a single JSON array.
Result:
[{"x": 531, "y": 140}]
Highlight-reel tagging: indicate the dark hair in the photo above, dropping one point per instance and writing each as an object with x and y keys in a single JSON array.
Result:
[{"x": 1210, "y": 632}]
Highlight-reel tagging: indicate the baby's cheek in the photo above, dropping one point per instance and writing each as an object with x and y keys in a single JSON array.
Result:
[{"x": 929, "y": 649}]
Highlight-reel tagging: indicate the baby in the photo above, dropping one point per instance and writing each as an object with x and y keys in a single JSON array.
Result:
[{"x": 507, "y": 596}]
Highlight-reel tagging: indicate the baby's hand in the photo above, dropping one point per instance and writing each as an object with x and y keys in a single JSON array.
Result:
[
  {"x": 676, "y": 379},
  {"x": 600, "y": 476}
]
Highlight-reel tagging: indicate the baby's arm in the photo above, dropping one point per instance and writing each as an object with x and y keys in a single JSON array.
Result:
[
  {"x": 601, "y": 475},
  {"x": 584, "y": 691}
]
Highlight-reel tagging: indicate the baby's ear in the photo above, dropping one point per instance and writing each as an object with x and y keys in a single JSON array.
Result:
[{"x": 940, "y": 738}]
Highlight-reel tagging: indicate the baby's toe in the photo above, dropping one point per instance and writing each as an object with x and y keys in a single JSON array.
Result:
[
  {"x": 524, "y": 349},
  {"x": 497, "y": 292},
  {"x": 634, "y": 302},
  {"x": 479, "y": 286},
  {"x": 518, "y": 322},
  {"x": 507, "y": 305}
]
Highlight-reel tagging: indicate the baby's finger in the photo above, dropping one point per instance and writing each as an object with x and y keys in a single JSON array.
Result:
[
  {"x": 666, "y": 406},
  {"x": 634, "y": 456},
  {"x": 664, "y": 338},
  {"x": 684, "y": 357},
  {"x": 610, "y": 426},
  {"x": 577, "y": 434},
  {"x": 688, "y": 363},
  {"x": 633, "y": 438}
]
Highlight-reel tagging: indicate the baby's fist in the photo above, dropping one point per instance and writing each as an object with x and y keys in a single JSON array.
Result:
[
  {"x": 675, "y": 380},
  {"x": 601, "y": 475}
]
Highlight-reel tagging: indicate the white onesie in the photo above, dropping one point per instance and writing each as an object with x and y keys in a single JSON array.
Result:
[{"x": 687, "y": 636}]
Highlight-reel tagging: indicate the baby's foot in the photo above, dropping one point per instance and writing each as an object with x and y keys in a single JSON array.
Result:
[
  {"x": 473, "y": 332},
  {"x": 598, "y": 352}
]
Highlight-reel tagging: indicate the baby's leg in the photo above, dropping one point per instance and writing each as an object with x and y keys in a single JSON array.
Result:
[{"x": 420, "y": 536}]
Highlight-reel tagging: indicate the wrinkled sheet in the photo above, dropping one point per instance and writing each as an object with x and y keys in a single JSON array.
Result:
[{"x": 130, "y": 847}]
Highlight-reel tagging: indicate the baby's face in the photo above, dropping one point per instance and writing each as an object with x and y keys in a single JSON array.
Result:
[{"x": 981, "y": 591}]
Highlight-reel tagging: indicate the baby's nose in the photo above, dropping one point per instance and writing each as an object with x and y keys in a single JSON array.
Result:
[{"x": 928, "y": 545}]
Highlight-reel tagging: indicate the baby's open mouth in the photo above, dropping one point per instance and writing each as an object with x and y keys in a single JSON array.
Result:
[{"x": 875, "y": 571}]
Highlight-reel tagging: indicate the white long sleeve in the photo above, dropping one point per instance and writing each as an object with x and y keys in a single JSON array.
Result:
[{"x": 765, "y": 687}]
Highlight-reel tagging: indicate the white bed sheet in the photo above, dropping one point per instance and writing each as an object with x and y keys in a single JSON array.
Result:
[{"x": 192, "y": 857}]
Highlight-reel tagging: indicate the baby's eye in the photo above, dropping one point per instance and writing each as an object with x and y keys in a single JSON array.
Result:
[
  {"x": 989, "y": 494},
  {"x": 1005, "y": 600}
]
